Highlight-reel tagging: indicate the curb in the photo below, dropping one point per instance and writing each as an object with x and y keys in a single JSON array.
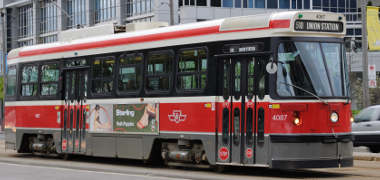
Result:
[{"x": 367, "y": 158}]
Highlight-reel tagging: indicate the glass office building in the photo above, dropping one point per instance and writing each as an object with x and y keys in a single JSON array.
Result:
[{"x": 31, "y": 22}]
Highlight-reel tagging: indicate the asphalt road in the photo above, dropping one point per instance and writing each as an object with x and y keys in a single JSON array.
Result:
[{"x": 15, "y": 166}]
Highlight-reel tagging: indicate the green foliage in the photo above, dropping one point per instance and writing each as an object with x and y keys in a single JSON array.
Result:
[{"x": 355, "y": 112}]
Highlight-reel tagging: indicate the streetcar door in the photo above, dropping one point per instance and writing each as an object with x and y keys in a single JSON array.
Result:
[
  {"x": 236, "y": 143},
  {"x": 74, "y": 121}
]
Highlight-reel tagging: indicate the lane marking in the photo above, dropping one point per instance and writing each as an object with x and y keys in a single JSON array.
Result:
[{"x": 90, "y": 171}]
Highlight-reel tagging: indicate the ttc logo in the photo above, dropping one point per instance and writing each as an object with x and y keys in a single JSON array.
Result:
[{"x": 177, "y": 116}]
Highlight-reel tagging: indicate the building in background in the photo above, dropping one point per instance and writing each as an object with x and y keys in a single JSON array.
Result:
[
  {"x": 29, "y": 22},
  {"x": 39, "y": 21}
]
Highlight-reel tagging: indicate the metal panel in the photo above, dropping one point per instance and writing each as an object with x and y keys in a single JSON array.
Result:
[
  {"x": 130, "y": 148},
  {"x": 104, "y": 146}
]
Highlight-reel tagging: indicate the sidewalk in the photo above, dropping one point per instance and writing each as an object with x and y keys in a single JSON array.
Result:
[{"x": 366, "y": 156}]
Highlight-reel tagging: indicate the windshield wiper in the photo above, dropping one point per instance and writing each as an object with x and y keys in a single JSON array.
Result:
[{"x": 304, "y": 90}]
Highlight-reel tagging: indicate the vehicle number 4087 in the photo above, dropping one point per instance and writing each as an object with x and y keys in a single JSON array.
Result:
[{"x": 279, "y": 117}]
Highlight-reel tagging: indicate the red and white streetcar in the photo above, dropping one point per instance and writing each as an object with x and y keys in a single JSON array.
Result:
[{"x": 264, "y": 90}]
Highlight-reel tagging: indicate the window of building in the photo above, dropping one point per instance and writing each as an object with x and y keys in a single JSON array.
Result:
[
  {"x": 23, "y": 43},
  {"x": 358, "y": 32},
  {"x": 130, "y": 75},
  {"x": 105, "y": 10},
  {"x": 48, "y": 39},
  {"x": 201, "y": 3},
  {"x": 192, "y": 69},
  {"x": 102, "y": 75},
  {"x": 215, "y": 3},
  {"x": 284, "y": 4},
  {"x": 260, "y": 3},
  {"x": 353, "y": 6},
  {"x": 350, "y": 32},
  {"x": 248, "y": 3},
  {"x": 317, "y": 4},
  {"x": 299, "y": 4},
  {"x": 294, "y": 4},
  {"x": 11, "y": 81},
  {"x": 272, "y": 4},
  {"x": 10, "y": 28},
  {"x": 129, "y": 6},
  {"x": 49, "y": 79},
  {"x": 138, "y": 7},
  {"x": 76, "y": 10},
  {"x": 29, "y": 80},
  {"x": 334, "y": 5},
  {"x": 228, "y": 3},
  {"x": 48, "y": 13},
  {"x": 25, "y": 21},
  {"x": 326, "y": 5},
  {"x": 158, "y": 71},
  {"x": 306, "y": 4},
  {"x": 237, "y": 3}
]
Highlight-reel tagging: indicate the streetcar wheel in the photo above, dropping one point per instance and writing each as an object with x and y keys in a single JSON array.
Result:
[
  {"x": 219, "y": 168},
  {"x": 374, "y": 149},
  {"x": 65, "y": 157}
]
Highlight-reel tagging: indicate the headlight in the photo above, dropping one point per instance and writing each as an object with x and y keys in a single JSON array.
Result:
[{"x": 334, "y": 117}]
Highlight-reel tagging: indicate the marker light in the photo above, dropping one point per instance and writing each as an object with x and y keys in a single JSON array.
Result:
[
  {"x": 352, "y": 119},
  {"x": 297, "y": 121},
  {"x": 300, "y": 16},
  {"x": 334, "y": 117}
]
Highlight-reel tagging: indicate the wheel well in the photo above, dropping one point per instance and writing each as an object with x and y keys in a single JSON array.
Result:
[{"x": 28, "y": 139}]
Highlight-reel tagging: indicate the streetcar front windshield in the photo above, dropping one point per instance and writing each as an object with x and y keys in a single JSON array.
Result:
[{"x": 306, "y": 68}]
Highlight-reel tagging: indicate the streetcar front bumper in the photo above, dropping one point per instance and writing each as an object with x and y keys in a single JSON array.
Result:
[{"x": 311, "y": 151}]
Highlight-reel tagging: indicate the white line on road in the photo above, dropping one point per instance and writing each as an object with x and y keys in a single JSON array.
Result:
[{"x": 89, "y": 171}]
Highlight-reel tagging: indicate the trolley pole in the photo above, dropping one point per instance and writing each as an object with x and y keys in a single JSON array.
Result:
[
  {"x": 366, "y": 100},
  {"x": 171, "y": 6}
]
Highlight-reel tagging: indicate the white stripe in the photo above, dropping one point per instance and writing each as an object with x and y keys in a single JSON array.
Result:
[
  {"x": 35, "y": 102},
  {"x": 186, "y": 132},
  {"x": 193, "y": 99}
]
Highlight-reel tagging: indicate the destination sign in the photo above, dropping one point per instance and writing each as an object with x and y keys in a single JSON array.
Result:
[
  {"x": 318, "y": 26},
  {"x": 242, "y": 48}
]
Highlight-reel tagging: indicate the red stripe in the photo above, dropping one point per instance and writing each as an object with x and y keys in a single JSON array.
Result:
[
  {"x": 281, "y": 23},
  {"x": 147, "y": 38}
]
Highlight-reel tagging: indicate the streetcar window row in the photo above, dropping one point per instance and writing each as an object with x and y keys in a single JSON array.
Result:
[{"x": 124, "y": 75}]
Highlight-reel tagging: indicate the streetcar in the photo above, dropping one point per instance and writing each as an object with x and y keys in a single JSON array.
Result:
[{"x": 268, "y": 90}]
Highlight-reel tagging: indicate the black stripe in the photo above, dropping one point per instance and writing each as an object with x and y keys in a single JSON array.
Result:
[{"x": 310, "y": 138}]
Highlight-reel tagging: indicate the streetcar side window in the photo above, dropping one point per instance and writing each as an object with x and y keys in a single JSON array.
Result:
[
  {"x": 11, "y": 81},
  {"x": 192, "y": 69},
  {"x": 29, "y": 81},
  {"x": 102, "y": 75},
  {"x": 49, "y": 79},
  {"x": 130, "y": 76},
  {"x": 158, "y": 71}
]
